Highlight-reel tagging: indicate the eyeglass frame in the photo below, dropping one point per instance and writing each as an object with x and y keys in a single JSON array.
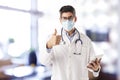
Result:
[{"x": 70, "y": 18}]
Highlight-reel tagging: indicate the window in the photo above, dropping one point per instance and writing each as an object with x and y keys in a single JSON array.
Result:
[
  {"x": 18, "y": 4},
  {"x": 16, "y": 26}
]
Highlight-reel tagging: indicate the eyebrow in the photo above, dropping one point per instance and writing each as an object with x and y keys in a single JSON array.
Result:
[{"x": 67, "y": 17}]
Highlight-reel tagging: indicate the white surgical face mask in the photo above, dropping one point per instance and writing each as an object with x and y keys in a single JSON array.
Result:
[{"x": 68, "y": 25}]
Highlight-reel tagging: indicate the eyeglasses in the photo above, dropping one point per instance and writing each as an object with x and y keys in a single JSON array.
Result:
[{"x": 67, "y": 18}]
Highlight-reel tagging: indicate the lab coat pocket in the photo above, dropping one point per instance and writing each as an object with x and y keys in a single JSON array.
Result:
[{"x": 80, "y": 53}]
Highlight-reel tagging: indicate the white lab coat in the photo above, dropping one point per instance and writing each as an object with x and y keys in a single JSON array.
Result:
[{"x": 65, "y": 64}]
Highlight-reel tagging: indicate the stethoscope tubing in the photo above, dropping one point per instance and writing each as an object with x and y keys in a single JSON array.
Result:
[{"x": 79, "y": 39}]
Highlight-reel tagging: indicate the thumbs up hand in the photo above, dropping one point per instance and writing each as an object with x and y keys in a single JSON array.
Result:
[{"x": 54, "y": 40}]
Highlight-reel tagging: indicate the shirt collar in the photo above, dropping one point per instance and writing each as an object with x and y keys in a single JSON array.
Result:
[{"x": 72, "y": 35}]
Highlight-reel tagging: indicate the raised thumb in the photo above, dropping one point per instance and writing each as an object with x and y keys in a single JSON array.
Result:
[{"x": 55, "y": 32}]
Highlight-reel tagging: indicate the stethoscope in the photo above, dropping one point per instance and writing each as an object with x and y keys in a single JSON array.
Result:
[{"x": 79, "y": 39}]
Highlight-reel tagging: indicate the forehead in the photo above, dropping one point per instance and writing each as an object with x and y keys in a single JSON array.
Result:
[{"x": 66, "y": 14}]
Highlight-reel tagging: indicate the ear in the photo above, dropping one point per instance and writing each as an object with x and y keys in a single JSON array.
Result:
[{"x": 75, "y": 18}]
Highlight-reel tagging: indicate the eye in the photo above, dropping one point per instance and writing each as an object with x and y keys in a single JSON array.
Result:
[
  {"x": 64, "y": 18},
  {"x": 67, "y": 18},
  {"x": 70, "y": 18}
]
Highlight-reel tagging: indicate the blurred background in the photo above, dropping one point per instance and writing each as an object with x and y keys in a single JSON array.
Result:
[{"x": 25, "y": 25}]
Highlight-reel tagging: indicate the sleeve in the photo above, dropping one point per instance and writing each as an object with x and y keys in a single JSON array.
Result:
[
  {"x": 46, "y": 58},
  {"x": 46, "y": 55},
  {"x": 96, "y": 74}
]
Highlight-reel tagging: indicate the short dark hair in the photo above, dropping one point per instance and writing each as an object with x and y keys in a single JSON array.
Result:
[{"x": 67, "y": 8}]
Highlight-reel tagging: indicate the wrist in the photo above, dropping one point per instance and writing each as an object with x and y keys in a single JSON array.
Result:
[
  {"x": 95, "y": 74},
  {"x": 48, "y": 46},
  {"x": 96, "y": 70}
]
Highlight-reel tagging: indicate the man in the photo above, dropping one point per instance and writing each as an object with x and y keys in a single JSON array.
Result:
[{"x": 70, "y": 55}]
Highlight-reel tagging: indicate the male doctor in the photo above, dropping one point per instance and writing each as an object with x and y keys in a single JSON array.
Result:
[{"x": 70, "y": 55}]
